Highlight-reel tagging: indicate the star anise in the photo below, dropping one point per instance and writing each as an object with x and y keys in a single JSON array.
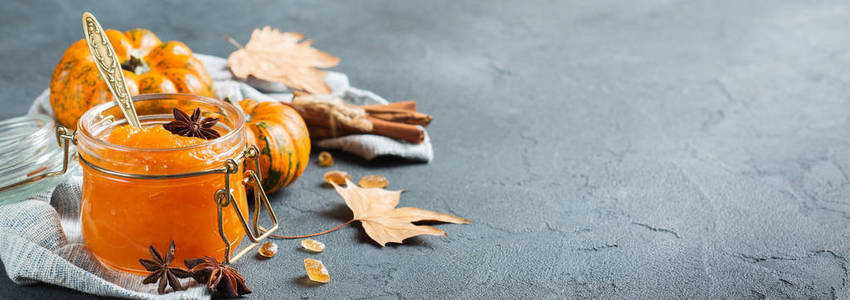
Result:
[
  {"x": 222, "y": 280},
  {"x": 162, "y": 272},
  {"x": 192, "y": 126}
]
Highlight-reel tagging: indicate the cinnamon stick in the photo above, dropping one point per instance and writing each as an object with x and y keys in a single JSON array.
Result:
[
  {"x": 401, "y": 131},
  {"x": 403, "y": 112},
  {"x": 395, "y": 130},
  {"x": 408, "y": 105},
  {"x": 321, "y": 133},
  {"x": 401, "y": 116}
]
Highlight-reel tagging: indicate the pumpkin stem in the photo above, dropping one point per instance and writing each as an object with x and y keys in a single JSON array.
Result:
[
  {"x": 238, "y": 107},
  {"x": 136, "y": 65}
]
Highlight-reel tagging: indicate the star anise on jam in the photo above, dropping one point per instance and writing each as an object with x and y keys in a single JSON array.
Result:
[
  {"x": 192, "y": 126},
  {"x": 162, "y": 271},
  {"x": 222, "y": 280}
]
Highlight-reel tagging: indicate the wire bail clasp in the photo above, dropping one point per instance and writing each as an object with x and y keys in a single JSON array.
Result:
[{"x": 224, "y": 197}]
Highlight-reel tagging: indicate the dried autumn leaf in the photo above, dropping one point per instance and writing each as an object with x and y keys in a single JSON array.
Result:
[
  {"x": 376, "y": 210},
  {"x": 278, "y": 56}
]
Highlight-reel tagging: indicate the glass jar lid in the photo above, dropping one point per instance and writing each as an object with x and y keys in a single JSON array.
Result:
[{"x": 29, "y": 149}]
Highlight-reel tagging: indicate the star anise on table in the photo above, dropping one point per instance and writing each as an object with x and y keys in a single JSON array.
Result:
[
  {"x": 192, "y": 126},
  {"x": 222, "y": 280},
  {"x": 162, "y": 271}
]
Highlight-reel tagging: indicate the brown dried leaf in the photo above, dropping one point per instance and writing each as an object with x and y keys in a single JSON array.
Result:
[
  {"x": 375, "y": 208},
  {"x": 278, "y": 56}
]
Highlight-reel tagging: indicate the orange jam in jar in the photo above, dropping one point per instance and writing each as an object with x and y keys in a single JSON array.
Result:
[{"x": 123, "y": 214}]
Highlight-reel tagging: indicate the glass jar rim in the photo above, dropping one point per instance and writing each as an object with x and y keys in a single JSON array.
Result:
[{"x": 98, "y": 109}]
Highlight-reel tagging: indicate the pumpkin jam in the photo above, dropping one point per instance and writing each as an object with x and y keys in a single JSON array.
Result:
[{"x": 122, "y": 216}]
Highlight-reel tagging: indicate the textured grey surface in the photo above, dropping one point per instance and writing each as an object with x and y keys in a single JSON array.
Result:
[{"x": 671, "y": 149}]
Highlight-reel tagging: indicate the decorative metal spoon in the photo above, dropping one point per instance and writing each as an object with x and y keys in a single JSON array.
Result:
[{"x": 110, "y": 67}]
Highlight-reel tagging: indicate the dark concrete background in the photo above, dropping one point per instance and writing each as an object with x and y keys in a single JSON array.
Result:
[{"x": 670, "y": 149}]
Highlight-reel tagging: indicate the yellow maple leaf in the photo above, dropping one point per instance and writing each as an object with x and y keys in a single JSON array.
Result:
[
  {"x": 376, "y": 210},
  {"x": 277, "y": 56}
]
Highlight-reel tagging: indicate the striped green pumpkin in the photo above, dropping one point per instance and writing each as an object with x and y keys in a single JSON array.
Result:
[{"x": 282, "y": 138}]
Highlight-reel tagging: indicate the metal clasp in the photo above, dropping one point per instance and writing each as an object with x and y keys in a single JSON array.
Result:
[{"x": 224, "y": 197}]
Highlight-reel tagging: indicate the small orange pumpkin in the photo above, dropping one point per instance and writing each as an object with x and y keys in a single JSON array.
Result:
[
  {"x": 282, "y": 138},
  {"x": 150, "y": 66}
]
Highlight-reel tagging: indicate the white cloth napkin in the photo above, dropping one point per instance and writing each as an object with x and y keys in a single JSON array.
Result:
[{"x": 368, "y": 146}]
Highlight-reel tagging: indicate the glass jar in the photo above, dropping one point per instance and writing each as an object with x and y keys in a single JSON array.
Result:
[
  {"x": 122, "y": 215},
  {"x": 31, "y": 157}
]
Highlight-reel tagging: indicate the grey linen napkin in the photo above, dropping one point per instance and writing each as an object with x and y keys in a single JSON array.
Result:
[
  {"x": 41, "y": 241},
  {"x": 368, "y": 146}
]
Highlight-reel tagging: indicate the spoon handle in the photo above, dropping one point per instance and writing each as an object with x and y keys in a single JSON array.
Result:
[{"x": 109, "y": 66}]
